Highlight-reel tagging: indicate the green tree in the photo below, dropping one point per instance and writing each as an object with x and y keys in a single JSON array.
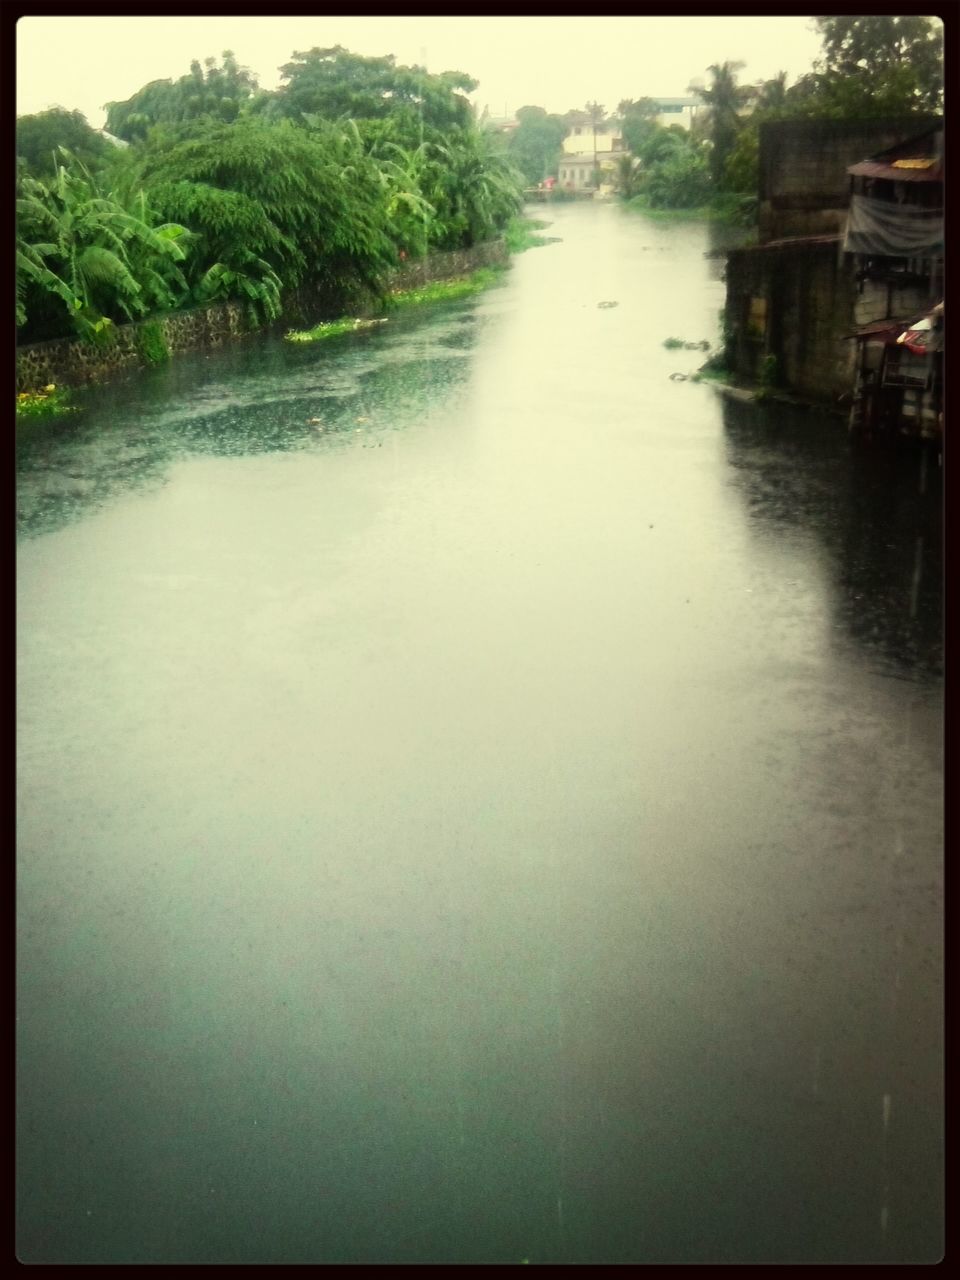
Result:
[
  {"x": 101, "y": 257},
  {"x": 639, "y": 122},
  {"x": 536, "y": 142},
  {"x": 40, "y": 135},
  {"x": 876, "y": 65},
  {"x": 474, "y": 189},
  {"x": 277, "y": 190},
  {"x": 725, "y": 99},
  {"x": 336, "y": 83},
  {"x": 680, "y": 180},
  {"x": 219, "y": 93},
  {"x": 629, "y": 176}
]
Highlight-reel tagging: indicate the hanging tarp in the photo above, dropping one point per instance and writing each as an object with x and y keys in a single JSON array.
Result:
[{"x": 879, "y": 228}]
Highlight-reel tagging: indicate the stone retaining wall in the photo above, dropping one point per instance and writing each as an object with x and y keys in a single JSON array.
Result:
[{"x": 71, "y": 363}]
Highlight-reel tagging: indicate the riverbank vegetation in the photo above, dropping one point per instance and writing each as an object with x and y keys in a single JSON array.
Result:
[
  {"x": 436, "y": 291},
  {"x": 50, "y": 402},
  {"x": 214, "y": 190}
]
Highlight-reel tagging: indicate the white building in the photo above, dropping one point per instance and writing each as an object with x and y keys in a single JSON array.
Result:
[
  {"x": 681, "y": 111},
  {"x": 576, "y": 170}
]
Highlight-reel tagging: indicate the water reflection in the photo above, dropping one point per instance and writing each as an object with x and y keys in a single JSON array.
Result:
[
  {"x": 260, "y": 396},
  {"x": 876, "y": 514}
]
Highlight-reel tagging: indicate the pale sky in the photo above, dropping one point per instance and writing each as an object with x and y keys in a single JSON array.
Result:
[{"x": 554, "y": 62}]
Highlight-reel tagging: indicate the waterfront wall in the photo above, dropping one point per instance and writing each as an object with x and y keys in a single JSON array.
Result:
[
  {"x": 67, "y": 362},
  {"x": 796, "y": 304}
]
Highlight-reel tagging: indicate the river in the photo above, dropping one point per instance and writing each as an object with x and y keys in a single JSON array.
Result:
[{"x": 499, "y": 820}]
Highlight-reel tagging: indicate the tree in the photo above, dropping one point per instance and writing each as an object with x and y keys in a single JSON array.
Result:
[
  {"x": 874, "y": 66},
  {"x": 725, "y": 99},
  {"x": 881, "y": 44},
  {"x": 277, "y": 191},
  {"x": 771, "y": 95},
  {"x": 474, "y": 189},
  {"x": 639, "y": 122},
  {"x": 103, "y": 257},
  {"x": 628, "y": 175},
  {"x": 536, "y": 142},
  {"x": 215, "y": 92},
  {"x": 336, "y": 83},
  {"x": 681, "y": 180},
  {"x": 40, "y": 135}
]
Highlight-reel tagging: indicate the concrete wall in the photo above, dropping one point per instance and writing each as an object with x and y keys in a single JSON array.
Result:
[
  {"x": 804, "y": 185},
  {"x": 72, "y": 363},
  {"x": 794, "y": 303}
]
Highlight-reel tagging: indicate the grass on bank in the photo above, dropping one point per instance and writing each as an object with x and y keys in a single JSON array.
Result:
[
  {"x": 521, "y": 234},
  {"x": 49, "y": 402},
  {"x": 735, "y": 210},
  {"x": 437, "y": 291}
]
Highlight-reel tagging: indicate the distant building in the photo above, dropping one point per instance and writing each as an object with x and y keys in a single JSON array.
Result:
[
  {"x": 681, "y": 111},
  {"x": 577, "y": 166}
]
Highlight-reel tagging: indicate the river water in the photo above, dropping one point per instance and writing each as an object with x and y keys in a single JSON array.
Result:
[{"x": 500, "y": 820}]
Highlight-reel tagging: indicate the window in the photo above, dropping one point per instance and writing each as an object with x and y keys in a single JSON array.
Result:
[{"x": 577, "y": 130}]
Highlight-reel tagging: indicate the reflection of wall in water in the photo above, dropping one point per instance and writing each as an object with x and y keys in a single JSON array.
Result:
[{"x": 878, "y": 516}]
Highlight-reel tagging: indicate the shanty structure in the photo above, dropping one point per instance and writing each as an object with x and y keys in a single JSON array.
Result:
[
  {"x": 895, "y": 234},
  {"x": 900, "y": 377},
  {"x": 895, "y": 227}
]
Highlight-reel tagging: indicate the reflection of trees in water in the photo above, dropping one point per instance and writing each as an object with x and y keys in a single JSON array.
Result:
[
  {"x": 865, "y": 506},
  {"x": 243, "y": 400}
]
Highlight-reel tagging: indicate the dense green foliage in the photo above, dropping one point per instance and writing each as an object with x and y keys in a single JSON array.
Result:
[
  {"x": 209, "y": 91},
  {"x": 521, "y": 234},
  {"x": 725, "y": 99},
  {"x": 151, "y": 342},
  {"x": 535, "y": 143},
  {"x": 224, "y": 192},
  {"x": 88, "y": 257},
  {"x": 877, "y": 65},
  {"x": 39, "y": 137},
  {"x": 336, "y": 83},
  {"x": 49, "y": 402}
]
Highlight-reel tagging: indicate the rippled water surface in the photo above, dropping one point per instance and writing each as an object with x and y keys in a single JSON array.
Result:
[{"x": 499, "y": 820}]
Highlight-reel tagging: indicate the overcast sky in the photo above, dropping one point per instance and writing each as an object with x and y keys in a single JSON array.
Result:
[{"x": 83, "y": 62}]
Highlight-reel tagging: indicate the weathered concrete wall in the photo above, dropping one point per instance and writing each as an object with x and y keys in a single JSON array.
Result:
[
  {"x": 446, "y": 266},
  {"x": 72, "y": 363},
  {"x": 795, "y": 303},
  {"x": 804, "y": 185},
  {"x": 75, "y": 363}
]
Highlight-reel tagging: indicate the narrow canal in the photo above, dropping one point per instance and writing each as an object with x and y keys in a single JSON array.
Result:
[{"x": 498, "y": 821}]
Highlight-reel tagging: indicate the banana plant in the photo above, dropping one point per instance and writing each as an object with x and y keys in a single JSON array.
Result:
[{"x": 102, "y": 261}]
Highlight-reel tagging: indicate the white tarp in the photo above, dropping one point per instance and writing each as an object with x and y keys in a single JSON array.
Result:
[{"x": 882, "y": 229}]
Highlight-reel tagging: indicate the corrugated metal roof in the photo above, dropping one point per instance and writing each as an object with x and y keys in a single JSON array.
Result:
[
  {"x": 794, "y": 242},
  {"x": 876, "y": 169},
  {"x": 878, "y": 327}
]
